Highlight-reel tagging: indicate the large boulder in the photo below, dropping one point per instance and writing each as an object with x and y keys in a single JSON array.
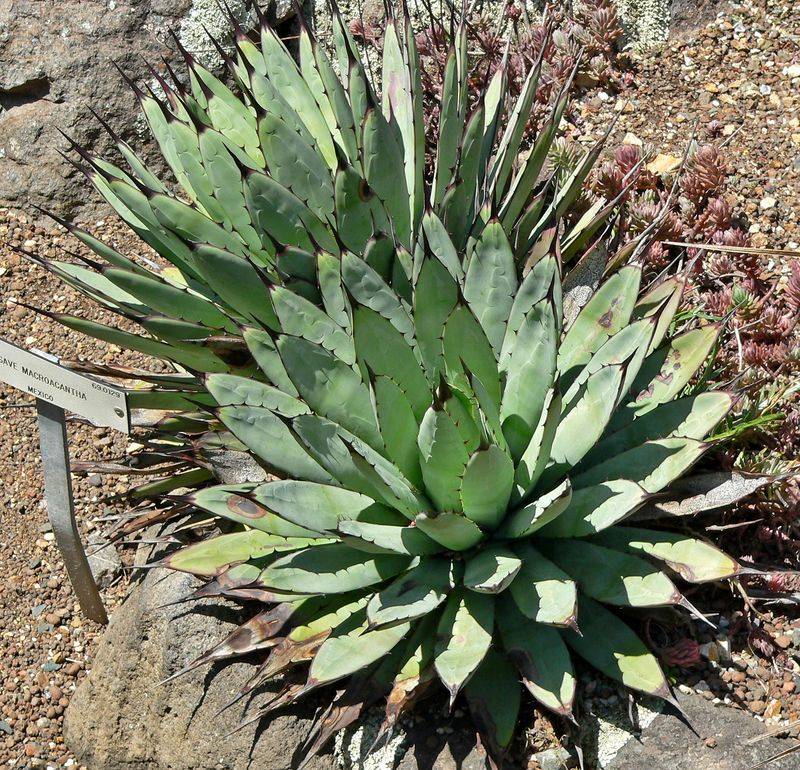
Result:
[{"x": 123, "y": 718}]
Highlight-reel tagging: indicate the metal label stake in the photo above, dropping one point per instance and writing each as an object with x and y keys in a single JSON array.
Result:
[
  {"x": 61, "y": 510},
  {"x": 56, "y": 389}
]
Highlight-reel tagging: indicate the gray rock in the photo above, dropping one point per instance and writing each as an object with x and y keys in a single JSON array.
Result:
[
  {"x": 666, "y": 743},
  {"x": 552, "y": 759},
  {"x": 122, "y": 718},
  {"x": 57, "y": 59},
  {"x": 688, "y": 15},
  {"x": 104, "y": 561},
  {"x": 231, "y": 467}
]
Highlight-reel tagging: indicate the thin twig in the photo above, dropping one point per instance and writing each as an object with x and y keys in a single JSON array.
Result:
[
  {"x": 779, "y": 755},
  {"x": 735, "y": 249},
  {"x": 775, "y": 731}
]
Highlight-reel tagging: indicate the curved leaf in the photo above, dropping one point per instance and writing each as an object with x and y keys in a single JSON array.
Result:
[
  {"x": 486, "y": 486},
  {"x": 610, "y": 576},
  {"x": 540, "y": 656},
  {"x": 596, "y": 508},
  {"x": 693, "y": 559},
  {"x": 412, "y": 595},
  {"x": 622, "y": 655},
  {"x": 491, "y": 570},
  {"x": 463, "y": 638},
  {"x": 331, "y": 569},
  {"x": 539, "y": 513},
  {"x": 494, "y": 697},
  {"x": 542, "y": 591},
  {"x": 210, "y": 557}
]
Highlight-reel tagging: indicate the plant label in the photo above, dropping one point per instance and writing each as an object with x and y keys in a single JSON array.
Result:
[{"x": 44, "y": 378}]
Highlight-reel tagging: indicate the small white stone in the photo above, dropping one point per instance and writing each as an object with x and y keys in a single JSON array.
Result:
[
  {"x": 767, "y": 203},
  {"x": 630, "y": 138}
]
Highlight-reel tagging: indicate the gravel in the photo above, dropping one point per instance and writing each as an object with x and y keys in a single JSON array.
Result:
[
  {"x": 739, "y": 75},
  {"x": 46, "y": 645}
]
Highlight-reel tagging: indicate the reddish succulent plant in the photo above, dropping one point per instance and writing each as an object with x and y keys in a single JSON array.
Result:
[{"x": 705, "y": 176}]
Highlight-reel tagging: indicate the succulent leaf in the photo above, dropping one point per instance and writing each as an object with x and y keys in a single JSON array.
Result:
[
  {"x": 493, "y": 695},
  {"x": 542, "y": 591},
  {"x": 622, "y": 656},
  {"x": 693, "y": 559},
  {"x": 463, "y": 638},
  {"x": 492, "y": 570},
  {"x": 414, "y": 594},
  {"x": 540, "y": 656},
  {"x": 330, "y": 569},
  {"x": 610, "y": 576}
]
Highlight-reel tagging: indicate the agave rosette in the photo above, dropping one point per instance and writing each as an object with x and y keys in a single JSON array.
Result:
[{"x": 452, "y": 459}]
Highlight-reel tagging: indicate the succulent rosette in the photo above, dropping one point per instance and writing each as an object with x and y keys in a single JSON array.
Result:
[{"x": 458, "y": 387}]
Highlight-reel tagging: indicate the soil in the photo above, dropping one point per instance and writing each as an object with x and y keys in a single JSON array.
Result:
[
  {"x": 742, "y": 70},
  {"x": 46, "y": 644}
]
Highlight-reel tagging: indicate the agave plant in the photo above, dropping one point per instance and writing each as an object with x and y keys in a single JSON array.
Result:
[{"x": 455, "y": 424}]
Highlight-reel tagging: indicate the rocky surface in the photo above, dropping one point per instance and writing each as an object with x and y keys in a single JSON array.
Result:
[
  {"x": 728, "y": 740},
  {"x": 122, "y": 717},
  {"x": 57, "y": 59},
  {"x": 736, "y": 79}
]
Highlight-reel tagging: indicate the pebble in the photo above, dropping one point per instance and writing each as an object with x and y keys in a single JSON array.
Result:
[{"x": 552, "y": 759}]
